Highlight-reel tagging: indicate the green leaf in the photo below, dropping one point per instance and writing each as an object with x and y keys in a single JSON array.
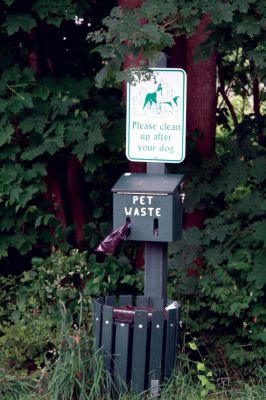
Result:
[
  {"x": 9, "y": 2},
  {"x": 98, "y": 212},
  {"x": 242, "y": 5},
  {"x": 248, "y": 27},
  {"x": 201, "y": 366},
  {"x": 203, "y": 380},
  {"x": 193, "y": 346},
  {"x": 42, "y": 92},
  {"x": 55, "y": 11},
  {"x": 6, "y": 134},
  {"x": 107, "y": 72},
  {"x": 258, "y": 169},
  {"x": 16, "y": 315},
  {"x": 50, "y": 145},
  {"x": 86, "y": 145},
  {"x": 33, "y": 123},
  {"x": 92, "y": 162},
  {"x": 221, "y": 12},
  {"x": 259, "y": 231},
  {"x": 19, "y": 21},
  {"x": 27, "y": 100},
  {"x": 258, "y": 273}
]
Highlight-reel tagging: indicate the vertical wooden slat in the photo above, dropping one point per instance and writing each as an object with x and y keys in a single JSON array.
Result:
[
  {"x": 177, "y": 328},
  {"x": 107, "y": 336},
  {"x": 170, "y": 350},
  {"x": 142, "y": 301},
  {"x": 139, "y": 351},
  {"x": 97, "y": 323},
  {"x": 110, "y": 300},
  {"x": 100, "y": 300},
  {"x": 125, "y": 300},
  {"x": 121, "y": 367},
  {"x": 156, "y": 350},
  {"x": 158, "y": 303}
]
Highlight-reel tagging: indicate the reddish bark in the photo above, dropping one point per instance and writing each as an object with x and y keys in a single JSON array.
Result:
[
  {"x": 54, "y": 189},
  {"x": 54, "y": 194},
  {"x": 33, "y": 61},
  {"x": 139, "y": 261},
  {"x": 195, "y": 218},
  {"x": 177, "y": 53},
  {"x": 201, "y": 107},
  {"x": 33, "y": 56},
  {"x": 132, "y": 61},
  {"x": 130, "y": 3},
  {"x": 75, "y": 198},
  {"x": 201, "y": 97}
]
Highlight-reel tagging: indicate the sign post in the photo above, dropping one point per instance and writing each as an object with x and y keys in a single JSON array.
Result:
[
  {"x": 156, "y": 133},
  {"x": 139, "y": 336}
]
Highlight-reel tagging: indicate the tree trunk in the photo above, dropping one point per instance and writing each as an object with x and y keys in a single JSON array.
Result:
[
  {"x": 201, "y": 107},
  {"x": 201, "y": 101},
  {"x": 131, "y": 61},
  {"x": 54, "y": 184},
  {"x": 54, "y": 194},
  {"x": 177, "y": 53},
  {"x": 130, "y": 3},
  {"x": 75, "y": 198}
]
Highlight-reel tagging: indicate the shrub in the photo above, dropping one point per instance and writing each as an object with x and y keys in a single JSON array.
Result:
[
  {"x": 30, "y": 319},
  {"x": 219, "y": 272}
]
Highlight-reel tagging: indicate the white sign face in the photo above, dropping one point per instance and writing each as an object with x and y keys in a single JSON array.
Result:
[{"x": 156, "y": 117}]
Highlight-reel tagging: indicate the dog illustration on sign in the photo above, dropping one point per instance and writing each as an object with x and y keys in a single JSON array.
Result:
[
  {"x": 151, "y": 98},
  {"x": 159, "y": 102},
  {"x": 172, "y": 103}
]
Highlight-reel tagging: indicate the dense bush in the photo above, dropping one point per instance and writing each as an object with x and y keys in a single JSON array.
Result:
[
  {"x": 219, "y": 271},
  {"x": 31, "y": 305},
  {"x": 58, "y": 133},
  {"x": 62, "y": 147}
]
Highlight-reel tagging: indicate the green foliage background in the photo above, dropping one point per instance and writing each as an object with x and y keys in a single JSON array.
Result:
[{"x": 48, "y": 116}]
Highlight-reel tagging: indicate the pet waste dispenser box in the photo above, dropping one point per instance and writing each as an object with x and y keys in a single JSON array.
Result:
[{"x": 152, "y": 203}]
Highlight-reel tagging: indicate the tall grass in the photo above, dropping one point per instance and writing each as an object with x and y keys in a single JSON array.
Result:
[
  {"x": 79, "y": 374},
  {"x": 63, "y": 383},
  {"x": 184, "y": 386},
  {"x": 13, "y": 387}
]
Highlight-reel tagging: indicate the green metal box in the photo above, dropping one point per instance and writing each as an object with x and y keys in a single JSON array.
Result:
[{"x": 153, "y": 204}]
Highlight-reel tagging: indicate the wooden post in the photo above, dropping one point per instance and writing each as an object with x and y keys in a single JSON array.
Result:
[{"x": 155, "y": 280}]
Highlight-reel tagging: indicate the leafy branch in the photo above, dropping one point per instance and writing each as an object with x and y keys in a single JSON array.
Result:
[
  {"x": 224, "y": 94},
  {"x": 15, "y": 92}
]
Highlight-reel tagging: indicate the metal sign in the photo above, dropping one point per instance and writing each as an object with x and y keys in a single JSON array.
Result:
[{"x": 156, "y": 117}]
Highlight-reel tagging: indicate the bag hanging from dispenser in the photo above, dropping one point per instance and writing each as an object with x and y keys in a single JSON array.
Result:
[{"x": 110, "y": 243}]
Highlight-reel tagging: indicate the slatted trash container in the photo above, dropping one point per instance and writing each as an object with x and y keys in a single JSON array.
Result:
[{"x": 138, "y": 341}]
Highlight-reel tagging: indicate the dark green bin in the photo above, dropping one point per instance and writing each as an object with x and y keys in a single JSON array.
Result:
[{"x": 138, "y": 341}]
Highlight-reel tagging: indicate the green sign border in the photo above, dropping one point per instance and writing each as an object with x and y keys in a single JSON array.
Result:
[{"x": 183, "y": 119}]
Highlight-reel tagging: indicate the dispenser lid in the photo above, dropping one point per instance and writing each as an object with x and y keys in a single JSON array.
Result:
[{"x": 151, "y": 183}]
